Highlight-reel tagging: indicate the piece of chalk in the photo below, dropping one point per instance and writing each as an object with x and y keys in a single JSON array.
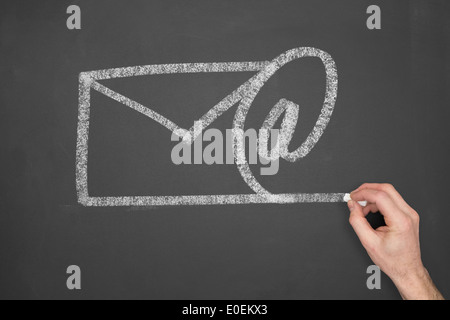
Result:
[{"x": 347, "y": 198}]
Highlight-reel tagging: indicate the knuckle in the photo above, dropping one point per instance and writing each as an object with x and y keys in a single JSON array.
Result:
[
  {"x": 351, "y": 220},
  {"x": 415, "y": 216},
  {"x": 407, "y": 224},
  {"x": 388, "y": 187},
  {"x": 382, "y": 196},
  {"x": 370, "y": 246}
]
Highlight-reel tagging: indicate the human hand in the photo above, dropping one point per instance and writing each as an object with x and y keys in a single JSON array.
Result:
[{"x": 395, "y": 248}]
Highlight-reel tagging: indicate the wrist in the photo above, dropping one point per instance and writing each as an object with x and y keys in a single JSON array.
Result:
[{"x": 417, "y": 285}]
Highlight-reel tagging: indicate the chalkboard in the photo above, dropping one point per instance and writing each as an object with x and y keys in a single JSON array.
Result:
[{"x": 88, "y": 177}]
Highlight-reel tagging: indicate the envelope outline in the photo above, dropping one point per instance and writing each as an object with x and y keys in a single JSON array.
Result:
[{"x": 244, "y": 95}]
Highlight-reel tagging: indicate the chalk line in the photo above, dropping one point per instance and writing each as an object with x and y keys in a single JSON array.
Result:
[
  {"x": 207, "y": 119},
  {"x": 259, "y": 82},
  {"x": 245, "y": 94},
  {"x": 160, "y": 69},
  {"x": 210, "y": 200},
  {"x": 136, "y": 106}
]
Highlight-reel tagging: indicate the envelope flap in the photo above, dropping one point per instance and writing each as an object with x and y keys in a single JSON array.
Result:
[{"x": 169, "y": 116}]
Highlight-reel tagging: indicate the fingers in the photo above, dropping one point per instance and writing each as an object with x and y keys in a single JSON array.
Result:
[
  {"x": 389, "y": 189},
  {"x": 362, "y": 228},
  {"x": 383, "y": 202}
]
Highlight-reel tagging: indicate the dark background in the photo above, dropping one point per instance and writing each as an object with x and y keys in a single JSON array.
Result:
[{"x": 390, "y": 124}]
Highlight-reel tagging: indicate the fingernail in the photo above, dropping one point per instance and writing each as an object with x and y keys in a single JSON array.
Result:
[{"x": 351, "y": 204}]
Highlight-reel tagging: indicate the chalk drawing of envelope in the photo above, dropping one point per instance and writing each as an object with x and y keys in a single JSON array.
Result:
[{"x": 243, "y": 96}]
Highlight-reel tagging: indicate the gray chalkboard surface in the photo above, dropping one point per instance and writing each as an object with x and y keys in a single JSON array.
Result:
[{"x": 87, "y": 173}]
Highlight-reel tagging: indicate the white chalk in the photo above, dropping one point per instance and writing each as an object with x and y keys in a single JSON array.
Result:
[
  {"x": 347, "y": 198},
  {"x": 244, "y": 96}
]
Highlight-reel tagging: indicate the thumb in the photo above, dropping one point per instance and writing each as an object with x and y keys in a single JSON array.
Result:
[{"x": 358, "y": 221}]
